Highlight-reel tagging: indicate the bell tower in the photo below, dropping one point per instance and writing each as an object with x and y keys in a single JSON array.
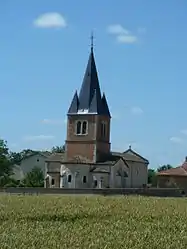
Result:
[{"x": 88, "y": 122}]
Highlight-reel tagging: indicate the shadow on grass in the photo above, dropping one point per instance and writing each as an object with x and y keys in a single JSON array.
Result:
[{"x": 56, "y": 217}]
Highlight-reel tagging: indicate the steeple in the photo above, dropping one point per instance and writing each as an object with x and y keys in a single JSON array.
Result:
[
  {"x": 90, "y": 100},
  {"x": 88, "y": 122}
]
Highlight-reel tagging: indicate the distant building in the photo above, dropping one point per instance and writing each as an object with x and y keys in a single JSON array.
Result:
[
  {"x": 88, "y": 161},
  {"x": 174, "y": 177},
  {"x": 35, "y": 159}
]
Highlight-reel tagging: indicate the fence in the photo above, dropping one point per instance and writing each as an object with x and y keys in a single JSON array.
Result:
[{"x": 159, "y": 192}]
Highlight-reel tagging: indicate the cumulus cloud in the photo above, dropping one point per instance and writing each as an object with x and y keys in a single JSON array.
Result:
[
  {"x": 117, "y": 29},
  {"x": 38, "y": 137},
  {"x": 126, "y": 38},
  {"x": 184, "y": 131},
  {"x": 50, "y": 20},
  {"x": 122, "y": 34}
]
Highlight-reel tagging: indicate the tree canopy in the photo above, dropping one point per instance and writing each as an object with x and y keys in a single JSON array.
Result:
[
  {"x": 164, "y": 167},
  {"x": 35, "y": 178},
  {"x": 5, "y": 163},
  {"x": 58, "y": 149}
]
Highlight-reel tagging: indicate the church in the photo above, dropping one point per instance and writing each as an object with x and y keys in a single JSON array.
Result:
[{"x": 88, "y": 161}]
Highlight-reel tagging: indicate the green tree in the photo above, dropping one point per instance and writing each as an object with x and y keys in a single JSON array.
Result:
[
  {"x": 152, "y": 178},
  {"x": 58, "y": 149},
  {"x": 15, "y": 158},
  {"x": 5, "y": 163},
  {"x": 164, "y": 167},
  {"x": 35, "y": 178}
]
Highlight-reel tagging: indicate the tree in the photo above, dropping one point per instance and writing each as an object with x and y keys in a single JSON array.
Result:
[
  {"x": 58, "y": 149},
  {"x": 152, "y": 178},
  {"x": 35, "y": 178},
  {"x": 15, "y": 158},
  {"x": 164, "y": 167},
  {"x": 5, "y": 165}
]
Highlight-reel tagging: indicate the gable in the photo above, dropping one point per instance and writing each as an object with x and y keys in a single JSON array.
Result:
[
  {"x": 33, "y": 156},
  {"x": 121, "y": 167},
  {"x": 131, "y": 155}
]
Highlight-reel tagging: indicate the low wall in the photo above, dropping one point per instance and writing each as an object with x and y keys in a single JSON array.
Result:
[{"x": 159, "y": 192}]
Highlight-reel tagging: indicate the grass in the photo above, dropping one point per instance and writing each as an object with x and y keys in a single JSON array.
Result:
[{"x": 50, "y": 222}]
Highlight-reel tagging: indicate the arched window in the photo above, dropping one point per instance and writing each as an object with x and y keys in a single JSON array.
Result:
[
  {"x": 84, "y": 127},
  {"x": 81, "y": 127},
  {"x": 78, "y": 128},
  {"x": 84, "y": 179},
  {"x": 69, "y": 178},
  {"x": 103, "y": 129}
]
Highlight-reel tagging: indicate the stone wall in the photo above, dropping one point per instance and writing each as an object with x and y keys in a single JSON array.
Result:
[{"x": 159, "y": 192}]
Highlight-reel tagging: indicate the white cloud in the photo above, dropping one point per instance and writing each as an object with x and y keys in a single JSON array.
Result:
[
  {"x": 38, "y": 137},
  {"x": 50, "y": 20},
  {"x": 117, "y": 29},
  {"x": 53, "y": 121},
  {"x": 127, "y": 38},
  {"x": 184, "y": 131},
  {"x": 136, "y": 110},
  {"x": 122, "y": 35},
  {"x": 176, "y": 140}
]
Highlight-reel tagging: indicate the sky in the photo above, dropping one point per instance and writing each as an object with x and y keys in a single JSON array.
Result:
[{"x": 140, "y": 49}]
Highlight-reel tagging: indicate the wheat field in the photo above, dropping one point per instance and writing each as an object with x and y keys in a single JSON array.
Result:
[{"x": 50, "y": 222}]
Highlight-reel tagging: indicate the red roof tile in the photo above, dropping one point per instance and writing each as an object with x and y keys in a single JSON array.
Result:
[{"x": 178, "y": 171}]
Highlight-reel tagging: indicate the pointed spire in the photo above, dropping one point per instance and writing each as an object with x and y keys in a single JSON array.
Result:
[
  {"x": 96, "y": 104},
  {"x": 105, "y": 110},
  {"x": 74, "y": 104},
  {"x": 90, "y": 84},
  {"x": 90, "y": 100}
]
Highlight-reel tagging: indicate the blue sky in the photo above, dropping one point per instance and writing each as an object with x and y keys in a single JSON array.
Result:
[{"x": 141, "y": 56}]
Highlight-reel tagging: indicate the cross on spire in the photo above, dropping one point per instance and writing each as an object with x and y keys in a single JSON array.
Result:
[{"x": 92, "y": 37}]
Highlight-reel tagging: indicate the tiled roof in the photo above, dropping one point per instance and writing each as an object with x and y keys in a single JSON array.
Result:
[
  {"x": 178, "y": 171},
  {"x": 110, "y": 160},
  {"x": 100, "y": 170},
  {"x": 131, "y": 155},
  {"x": 56, "y": 157},
  {"x": 33, "y": 153}
]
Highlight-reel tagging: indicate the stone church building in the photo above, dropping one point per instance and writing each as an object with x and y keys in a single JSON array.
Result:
[{"x": 88, "y": 161}]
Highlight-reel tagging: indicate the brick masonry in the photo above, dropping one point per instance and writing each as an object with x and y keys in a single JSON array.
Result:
[{"x": 90, "y": 145}]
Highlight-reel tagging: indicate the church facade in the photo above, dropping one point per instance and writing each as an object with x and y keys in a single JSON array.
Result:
[{"x": 88, "y": 161}]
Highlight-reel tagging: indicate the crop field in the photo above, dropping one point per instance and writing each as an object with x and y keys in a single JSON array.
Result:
[{"x": 50, "y": 222}]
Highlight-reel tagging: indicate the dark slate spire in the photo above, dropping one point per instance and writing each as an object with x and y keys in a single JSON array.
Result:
[
  {"x": 96, "y": 104},
  {"x": 105, "y": 110},
  {"x": 90, "y": 84},
  {"x": 74, "y": 104},
  {"x": 90, "y": 100}
]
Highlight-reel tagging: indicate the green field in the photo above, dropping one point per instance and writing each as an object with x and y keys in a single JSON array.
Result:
[{"x": 49, "y": 222}]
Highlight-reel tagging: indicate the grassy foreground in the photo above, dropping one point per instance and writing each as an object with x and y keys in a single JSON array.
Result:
[{"x": 50, "y": 222}]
